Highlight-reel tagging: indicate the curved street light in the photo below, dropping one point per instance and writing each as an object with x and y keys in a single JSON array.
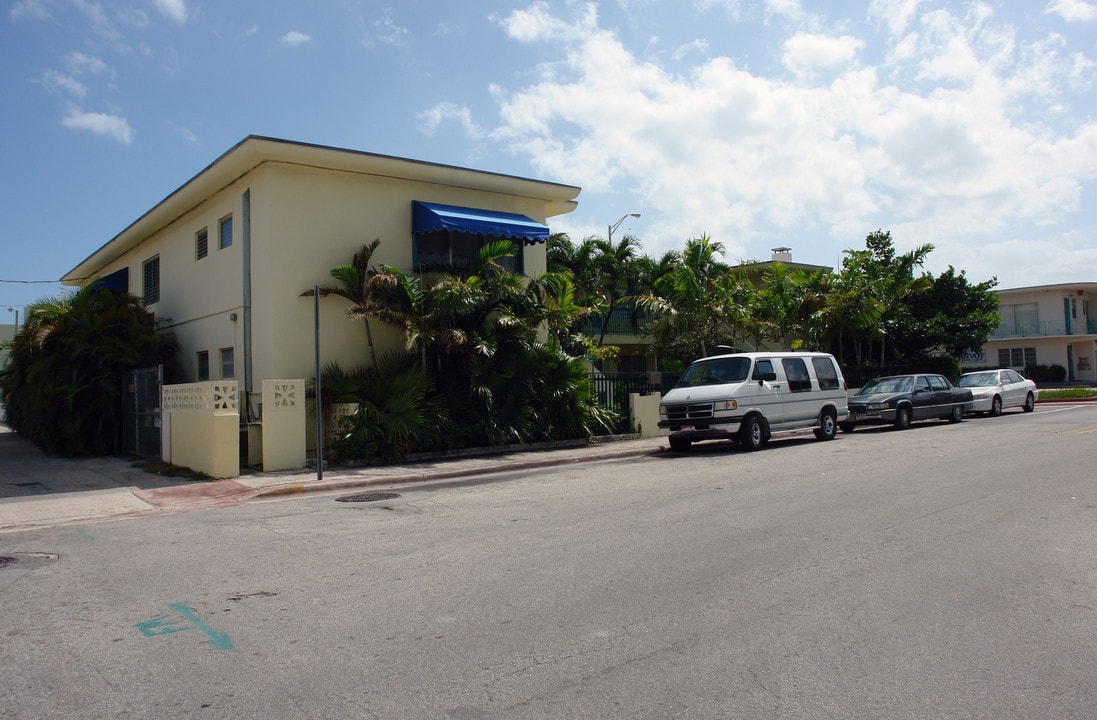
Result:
[
  {"x": 11, "y": 309},
  {"x": 614, "y": 226}
]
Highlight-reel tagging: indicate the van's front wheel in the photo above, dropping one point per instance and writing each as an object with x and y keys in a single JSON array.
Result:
[
  {"x": 679, "y": 444},
  {"x": 752, "y": 435},
  {"x": 828, "y": 425}
]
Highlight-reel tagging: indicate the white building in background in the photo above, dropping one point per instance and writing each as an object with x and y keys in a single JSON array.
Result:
[{"x": 1045, "y": 325}]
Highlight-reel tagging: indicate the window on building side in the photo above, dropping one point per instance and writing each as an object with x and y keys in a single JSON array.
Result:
[
  {"x": 152, "y": 280},
  {"x": 202, "y": 358},
  {"x": 1016, "y": 357},
  {"x": 442, "y": 248},
  {"x": 201, "y": 244},
  {"x": 228, "y": 364},
  {"x": 226, "y": 232}
]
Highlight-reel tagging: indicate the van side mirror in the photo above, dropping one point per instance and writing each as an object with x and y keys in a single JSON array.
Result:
[{"x": 765, "y": 377}]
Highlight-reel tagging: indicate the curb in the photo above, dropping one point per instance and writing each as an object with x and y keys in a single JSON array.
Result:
[{"x": 409, "y": 478}]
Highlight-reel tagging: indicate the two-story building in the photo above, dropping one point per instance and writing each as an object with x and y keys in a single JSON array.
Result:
[
  {"x": 1045, "y": 325},
  {"x": 224, "y": 259}
]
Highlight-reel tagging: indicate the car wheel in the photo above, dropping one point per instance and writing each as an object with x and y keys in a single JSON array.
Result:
[
  {"x": 752, "y": 436},
  {"x": 957, "y": 414},
  {"x": 902, "y": 417},
  {"x": 1030, "y": 403},
  {"x": 996, "y": 406},
  {"x": 828, "y": 426},
  {"x": 678, "y": 444}
]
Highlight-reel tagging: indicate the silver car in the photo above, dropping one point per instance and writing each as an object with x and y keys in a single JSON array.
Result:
[{"x": 995, "y": 390}]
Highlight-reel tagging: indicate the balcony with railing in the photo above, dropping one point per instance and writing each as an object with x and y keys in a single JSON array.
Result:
[
  {"x": 1044, "y": 329},
  {"x": 621, "y": 322}
]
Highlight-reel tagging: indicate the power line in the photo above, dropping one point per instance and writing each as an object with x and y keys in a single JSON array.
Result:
[{"x": 32, "y": 282}]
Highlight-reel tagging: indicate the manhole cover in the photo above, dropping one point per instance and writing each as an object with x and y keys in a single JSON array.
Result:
[
  {"x": 368, "y": 497},
  {"x": 6, "y": 560}
]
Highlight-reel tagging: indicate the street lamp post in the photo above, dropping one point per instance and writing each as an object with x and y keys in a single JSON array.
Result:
[
  {"x": 614, "y": 226},
  {"x": 11, "y": 309}
]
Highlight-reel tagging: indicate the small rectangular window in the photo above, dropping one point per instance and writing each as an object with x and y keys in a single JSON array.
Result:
[
  {"x": 202, "y": 359},
  {"x": 228, "y": 364},
  {"x": 1016, "y": 357},
  {"x": 226, "y": 232},
  {"x": 826, "y": 372},
  {"x": 201, "y": 244},
  {"x": 796, "y": 370},
  {"x": 151, "y": 272}
]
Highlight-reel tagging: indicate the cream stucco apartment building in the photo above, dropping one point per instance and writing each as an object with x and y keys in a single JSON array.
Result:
[
  {"x": 224, "y": 259},
  {"x": 1045, "y": 325}
]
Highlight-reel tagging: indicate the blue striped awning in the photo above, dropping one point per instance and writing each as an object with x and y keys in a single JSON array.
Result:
[{"x": 430, "y": 217}]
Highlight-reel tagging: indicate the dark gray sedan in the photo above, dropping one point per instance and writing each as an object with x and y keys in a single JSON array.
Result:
[{"x": 901, "y": 399}]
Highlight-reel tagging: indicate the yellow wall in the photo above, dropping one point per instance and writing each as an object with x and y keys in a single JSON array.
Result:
[{"x": 206, "y": 442}]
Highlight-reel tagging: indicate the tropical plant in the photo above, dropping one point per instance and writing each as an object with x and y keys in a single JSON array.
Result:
[
  {"x": 397, "y": 412},
  {"x": 358, "y": 283},
  {"x": 63, "y": 385}
]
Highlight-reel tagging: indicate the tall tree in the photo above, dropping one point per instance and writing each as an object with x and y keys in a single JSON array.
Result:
[
  {"x": 358, "y": 284},
  {"x": 953, "y": 315},
  {"x": 63, "y": 384}
]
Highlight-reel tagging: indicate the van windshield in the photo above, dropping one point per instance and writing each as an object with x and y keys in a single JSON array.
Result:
[{"x": 716, "y": 371}]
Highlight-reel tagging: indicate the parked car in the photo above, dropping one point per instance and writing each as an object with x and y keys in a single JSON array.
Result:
[
  {"x": 993, "y": 391},
  {"x": 749, "y": 396},
  {"x": 900, "y": 399}
]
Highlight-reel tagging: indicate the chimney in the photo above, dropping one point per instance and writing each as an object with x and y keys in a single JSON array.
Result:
[{"x": 782, "y": 254}]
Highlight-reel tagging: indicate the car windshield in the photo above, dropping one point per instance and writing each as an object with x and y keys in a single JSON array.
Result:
[
  {"x": 716, "y": 371},
  {"x": 887, "y": 385},
  {"x": 979, "y": 380}
]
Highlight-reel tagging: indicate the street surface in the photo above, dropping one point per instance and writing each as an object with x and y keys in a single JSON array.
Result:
[{"x": 946, "y": 571}]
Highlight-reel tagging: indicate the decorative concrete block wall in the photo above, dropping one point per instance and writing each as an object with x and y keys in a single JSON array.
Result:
[
  {"x": 644, "y": 414},
  {"x": 284, "y": 432},
  {"x": 201, "y": 427}
]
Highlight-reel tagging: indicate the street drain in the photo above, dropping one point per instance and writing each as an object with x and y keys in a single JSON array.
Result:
[
  {"x": 6, "y": 560},
  {"x": 368, "y": 497}
]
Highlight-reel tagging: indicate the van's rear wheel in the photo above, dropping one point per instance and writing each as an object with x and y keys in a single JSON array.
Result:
[
  {"x": 752, "y": 435},
  {"x": 679, "y": 444},
  {"x": 828, "y": 425}
]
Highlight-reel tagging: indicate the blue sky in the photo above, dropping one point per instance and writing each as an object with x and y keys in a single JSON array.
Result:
[{"x": 763, "y": 123}]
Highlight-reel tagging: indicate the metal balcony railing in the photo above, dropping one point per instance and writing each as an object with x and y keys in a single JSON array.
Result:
[{"x": 1044, "y": 329}]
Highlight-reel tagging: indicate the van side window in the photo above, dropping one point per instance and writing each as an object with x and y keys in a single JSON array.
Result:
[
  {"x": 826, "y": 372},
  {"x": 796, "y": 370}
]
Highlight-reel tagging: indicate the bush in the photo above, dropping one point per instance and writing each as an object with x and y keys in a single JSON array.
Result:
[{"x": 1045, "y": 373}]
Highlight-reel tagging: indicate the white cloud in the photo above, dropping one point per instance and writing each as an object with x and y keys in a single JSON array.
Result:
[
  {"x": 388, "y": 32},
  {"x": 81, "y": 64},
  {"x": 66, "y": 84},
  {"x": 536, "y": 23},
  {"x": 175, "y": 10},
  {"x": 806, "y": 54},
  {"x": 896, "y": 13},
  {"x": 112, "y": 126},
  {"x": 429, "y": 121},
  {"x": 1073, "y": 10},
  {"x": 295, "y": 37},
  {"x": 35, "y": 9},
  {"x": 937, "y": 152}
]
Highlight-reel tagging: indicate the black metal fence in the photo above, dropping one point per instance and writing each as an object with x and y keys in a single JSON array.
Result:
[
  {"x": 612, "y": 391},
  {"x": 141, "y": 414}
]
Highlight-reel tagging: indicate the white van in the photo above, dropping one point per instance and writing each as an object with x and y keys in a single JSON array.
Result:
[{"x": 749, "y": 396}]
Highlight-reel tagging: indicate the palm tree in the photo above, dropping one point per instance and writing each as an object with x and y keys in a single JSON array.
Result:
[{"x": 358, "y": 283}]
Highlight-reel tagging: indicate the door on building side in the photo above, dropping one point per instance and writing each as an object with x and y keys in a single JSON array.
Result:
[{"x": 141, "y": 418}]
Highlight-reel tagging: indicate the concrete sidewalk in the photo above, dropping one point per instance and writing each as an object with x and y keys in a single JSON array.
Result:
[{"x": 37, "y": 491}]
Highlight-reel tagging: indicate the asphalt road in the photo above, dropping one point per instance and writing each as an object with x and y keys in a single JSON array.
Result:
[{"x": 947, "y": 571}]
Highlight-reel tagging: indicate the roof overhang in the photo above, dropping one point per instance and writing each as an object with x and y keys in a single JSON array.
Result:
[{"x": 254, "y": 151}]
